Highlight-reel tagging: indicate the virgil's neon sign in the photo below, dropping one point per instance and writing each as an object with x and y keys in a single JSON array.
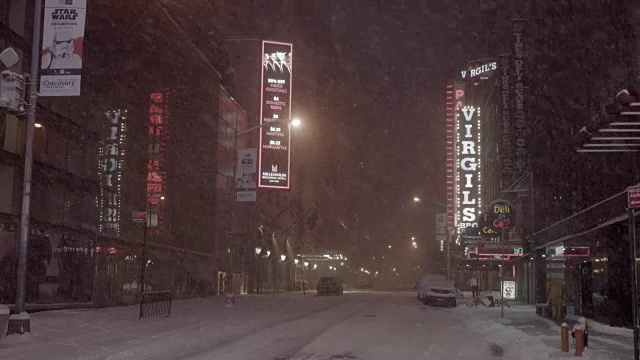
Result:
[{"x": 468, "y": 141}]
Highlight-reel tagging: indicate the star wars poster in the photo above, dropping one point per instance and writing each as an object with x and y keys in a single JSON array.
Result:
[{"x": 62, "y": 43}]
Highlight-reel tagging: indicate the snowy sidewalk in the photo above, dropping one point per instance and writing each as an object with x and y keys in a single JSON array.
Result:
[{"x": 605, "y": 342}]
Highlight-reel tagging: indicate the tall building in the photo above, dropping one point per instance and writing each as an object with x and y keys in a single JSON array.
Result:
[
  {"x": 139, "y": 137},
  {"x": 580, "y": 231}
]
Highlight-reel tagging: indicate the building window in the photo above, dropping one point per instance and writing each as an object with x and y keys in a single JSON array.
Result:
[
  {"x": 75, "y": 157},
  {"x": 56, "y": 150}
]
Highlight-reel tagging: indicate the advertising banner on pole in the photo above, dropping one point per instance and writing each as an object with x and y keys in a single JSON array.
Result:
[
  {"x": 246, "y": 175},
  {"x": 275, "y": 108},
  {"x": 62, "y": 45}
]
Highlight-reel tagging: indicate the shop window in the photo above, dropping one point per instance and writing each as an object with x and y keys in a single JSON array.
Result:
[{"x": 56, "y": 149}]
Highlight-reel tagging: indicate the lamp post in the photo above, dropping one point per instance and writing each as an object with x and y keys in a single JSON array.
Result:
[
  {"x": 295, "y": 273},
  {"x": 20, "y": 323},
  {"x": 258, "y": 250},
  {"x": 236, "y": 133},
  {"x": 282, "y": 259}
]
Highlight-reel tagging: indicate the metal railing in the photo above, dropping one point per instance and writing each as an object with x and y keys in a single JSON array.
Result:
[{"x": 156, "y": 303}]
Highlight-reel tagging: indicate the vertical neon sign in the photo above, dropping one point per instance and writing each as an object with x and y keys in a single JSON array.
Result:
[
  {"x": 454, "y": 101},
  {"x": 275, "y": 107},
  {"x": 468, "y": 174},
  {"x": 156, "y": 175},
  {"x": 110, "y": 167}
]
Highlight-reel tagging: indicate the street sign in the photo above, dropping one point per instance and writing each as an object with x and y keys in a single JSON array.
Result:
[
  {"x": 139, "y": 216},
  {"x": 633, "y": 194}
]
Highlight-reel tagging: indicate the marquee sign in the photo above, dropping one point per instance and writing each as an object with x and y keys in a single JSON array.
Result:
[
  {"x": 468, "y": 202},
  {"x": 479, "y": 70}
]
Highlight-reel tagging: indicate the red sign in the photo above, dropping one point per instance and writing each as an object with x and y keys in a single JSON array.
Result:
[
  {"x": 634, "y": 196},
  {"x": 139, "y": 216}
]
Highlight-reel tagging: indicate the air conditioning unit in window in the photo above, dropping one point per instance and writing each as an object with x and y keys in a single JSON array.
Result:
[{"x": 11, "y": 92}]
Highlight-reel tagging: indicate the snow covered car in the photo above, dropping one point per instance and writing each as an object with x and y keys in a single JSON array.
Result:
[
  {"x": 437, "y": 290},
  {"x": 329, "y": 286}
]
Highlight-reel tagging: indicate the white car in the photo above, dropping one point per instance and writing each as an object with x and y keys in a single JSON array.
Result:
[{"x": 435, "y": 289}]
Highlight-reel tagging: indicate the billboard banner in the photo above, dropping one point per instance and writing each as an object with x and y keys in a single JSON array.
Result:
[
  {"x": 246, "y": 175},
  {"x": 520, "y": 110},
  {"x": 62, "y": 45},
  {"x": 275, "y": 108},
  {"x": 468, "y": 201}
]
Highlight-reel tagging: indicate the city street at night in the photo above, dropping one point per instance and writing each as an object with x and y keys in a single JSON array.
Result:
[{"x": 357, "y": 325}]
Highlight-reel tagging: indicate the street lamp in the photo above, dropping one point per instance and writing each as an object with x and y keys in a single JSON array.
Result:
[
  {"x": 389, "y": 246},
  {"x": 416, "y": 199},
  {"x": 258, "y": 250},
  {"x": 283, "y": 257},
  {"x": 268, "y": 253},
  {"x": 236, "y": 133}
]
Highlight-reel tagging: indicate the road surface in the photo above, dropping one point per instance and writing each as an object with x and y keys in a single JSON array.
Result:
[{"x": 357, "y": 325}]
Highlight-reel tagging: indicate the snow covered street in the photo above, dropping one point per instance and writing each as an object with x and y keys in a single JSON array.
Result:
[{"x": 358, "y": 325}]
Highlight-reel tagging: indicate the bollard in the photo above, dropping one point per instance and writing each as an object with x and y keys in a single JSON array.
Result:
[
  {"x": 579, "y": 340},
  {"x": 564, "y": 335}
]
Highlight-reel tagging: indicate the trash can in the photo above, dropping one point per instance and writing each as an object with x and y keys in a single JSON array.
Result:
[{"x": 4, "y": 320}]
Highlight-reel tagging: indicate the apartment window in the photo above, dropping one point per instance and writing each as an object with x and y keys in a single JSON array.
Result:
[{"x": 91, "y": 160}]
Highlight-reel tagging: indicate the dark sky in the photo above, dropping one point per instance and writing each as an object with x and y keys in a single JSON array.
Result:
[{"x": 398, "y": 56}]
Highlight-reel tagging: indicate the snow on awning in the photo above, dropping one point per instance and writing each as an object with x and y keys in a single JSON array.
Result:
[{"x": 568, "y": 237}]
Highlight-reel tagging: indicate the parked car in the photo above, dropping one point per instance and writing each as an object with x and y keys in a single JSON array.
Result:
[
  {"x": 329, "y": 286},
  {"x": 436, "y": 289}
]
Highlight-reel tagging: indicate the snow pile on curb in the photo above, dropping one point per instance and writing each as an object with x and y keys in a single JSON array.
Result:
[
  {"x": 516, "y": 343},
  {"x": 605, "y": 329}
]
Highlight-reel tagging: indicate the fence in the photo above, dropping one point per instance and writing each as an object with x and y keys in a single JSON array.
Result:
[{"x": 156, "y": 303}]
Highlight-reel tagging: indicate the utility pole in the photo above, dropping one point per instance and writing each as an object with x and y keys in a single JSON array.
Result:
[
  {"x": 20, "y": 323},
  {"x": 634, "y": 282}
]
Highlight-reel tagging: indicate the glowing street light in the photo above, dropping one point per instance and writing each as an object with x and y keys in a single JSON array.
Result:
[
  {"x": 268, "y": 253},
  {"x": 283, "y": 257},
  {"x": 258, "y": 250},
  {"x": 416, "y": 199},
  {"x": 296, "y": 122},
  {"x": 306, "y": 264},
  {"x": 296, "y": 261},
  {"x": 389, "y": 246},
  {"x": 413, "y": 238},
  {"x": 315, "y": 266}
]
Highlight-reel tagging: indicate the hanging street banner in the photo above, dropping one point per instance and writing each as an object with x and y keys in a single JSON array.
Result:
[
  {"x": 275, "y": 109},
  {"x": 246, "y": 175},
  {"x": 62, "y": 45}
]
